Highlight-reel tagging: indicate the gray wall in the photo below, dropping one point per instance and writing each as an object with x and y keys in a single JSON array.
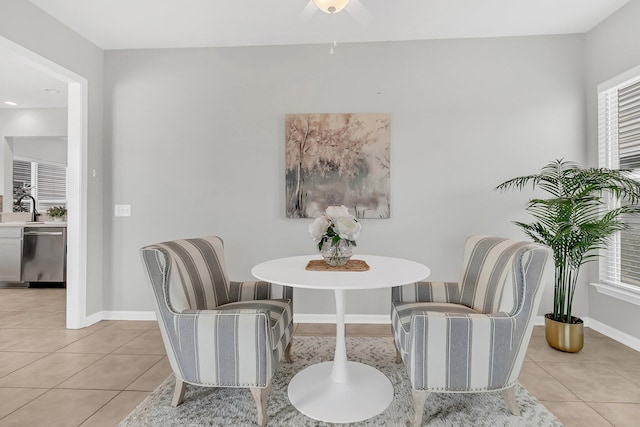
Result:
[
  {"x": 50, "y": 150},
  {"x": 195, "y": 142},
  {"x": 611, "y": 48},
  {"x": 28, "y": 26}
]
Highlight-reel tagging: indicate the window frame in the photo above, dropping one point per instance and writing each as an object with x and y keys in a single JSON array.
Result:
[{"x": 607, "y": 139}]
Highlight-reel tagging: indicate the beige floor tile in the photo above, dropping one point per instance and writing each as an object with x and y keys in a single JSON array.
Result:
[
  {"x": 138, "y": 364},
  {"x": 619, "y": 414},
  {"x": 97, "y": 326},
  {"x": 360, "y": 330},
  {"x": 629, "y": 369},
  {"x": 316, "y": 329},
  {"x": 594, "y": 382},
  {"x": 9, "y": 337},
  {"x": 576, "y": 414},
  {"x": 531, "y": 368},
  {"x": 49, "y": 371},
  {"x": 40, "y": 305},
  {"x": 11, "y": 361},
  {"x": 543, "y": 385},
  {"x": 59, "y": 408},
  {"x": 12, "y": 319},
  {"x": 155, "y": 376},
  {"x": 538, "y": 331},
  {"x": 596, "y": 350},
  {"x": 13, "y": 398},
  {"x": 51, "y": 320},
  {"x": 116, "y": 410},
  {"x": 138, "y": 325},
  {"x": 113, "y": 372},
  {"x": 44, "y": 340},
  {"x": 149, "y": 342},
  {"x": 608, "y": 350},
  {"x": 103, "y": 341},
  {"x": 590, "y": 333}
]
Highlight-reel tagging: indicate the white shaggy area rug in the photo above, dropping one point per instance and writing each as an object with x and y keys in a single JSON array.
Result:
[{"x": 235, "y": 407}]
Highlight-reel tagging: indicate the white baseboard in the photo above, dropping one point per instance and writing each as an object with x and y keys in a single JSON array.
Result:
[
  {"x": 120, "y": 315},
  {"x": 92, "y": 318},
  {"x": 614, "y": 334},
  {"x": 377, "y": 319}
]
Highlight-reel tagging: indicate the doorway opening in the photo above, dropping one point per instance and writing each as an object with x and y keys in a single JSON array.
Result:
[{"x": 77, "y": 109}]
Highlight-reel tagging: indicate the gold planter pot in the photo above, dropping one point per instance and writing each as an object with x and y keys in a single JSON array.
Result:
[{"x": 567, "y": 337}]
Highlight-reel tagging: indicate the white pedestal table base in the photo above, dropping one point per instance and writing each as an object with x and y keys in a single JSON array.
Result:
[
  {"x": 341, "y": 391},
  {"x": 366, "y": 393}
]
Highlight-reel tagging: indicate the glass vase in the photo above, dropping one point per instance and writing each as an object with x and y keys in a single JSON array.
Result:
[{"x": 336, "y": 254}]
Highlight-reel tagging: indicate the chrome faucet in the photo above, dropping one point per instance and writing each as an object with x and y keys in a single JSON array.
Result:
[{"x": 34, "y": 212}]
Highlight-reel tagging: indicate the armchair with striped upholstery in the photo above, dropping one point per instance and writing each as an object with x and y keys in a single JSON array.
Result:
[
  {"x": 472, "y": 336},
  {"x": 217, "y": 333}
]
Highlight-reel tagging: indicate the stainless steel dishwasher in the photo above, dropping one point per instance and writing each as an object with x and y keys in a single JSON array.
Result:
[{"x": 44, "y": 253}]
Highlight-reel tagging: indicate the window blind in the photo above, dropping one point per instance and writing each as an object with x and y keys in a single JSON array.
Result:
[
  {"x": 52, "y": 186},
  {"x": 21, "y": 173},
  {"x": 619, "y": 148},
  {"x": 21, "y": 177}
]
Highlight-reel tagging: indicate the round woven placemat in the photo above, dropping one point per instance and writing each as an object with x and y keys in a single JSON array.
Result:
[{"x": 351, "y": 265}]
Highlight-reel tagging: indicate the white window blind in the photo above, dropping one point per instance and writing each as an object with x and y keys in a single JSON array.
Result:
[
  {"x": 619, "y": 148},
  {"x": 21, "y": 173},
  {"x": 21, "y": 177},
  {"x": 48, "y": 182},
  {"x": 51, "y": 189}
]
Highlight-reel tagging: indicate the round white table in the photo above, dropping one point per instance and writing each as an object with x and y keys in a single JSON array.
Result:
[{"x": 341, "y": 391}]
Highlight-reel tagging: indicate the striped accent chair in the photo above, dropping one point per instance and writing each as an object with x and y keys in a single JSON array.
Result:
[
  {"x": 472, "y": 336},
  {"x": 217, "y": 333}
]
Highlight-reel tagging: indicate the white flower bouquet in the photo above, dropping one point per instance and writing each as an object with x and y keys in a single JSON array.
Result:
[{"x": 334, "y": 226}]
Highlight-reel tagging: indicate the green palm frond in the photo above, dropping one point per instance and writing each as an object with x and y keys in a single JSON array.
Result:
[{"x": 574, "y": 222}]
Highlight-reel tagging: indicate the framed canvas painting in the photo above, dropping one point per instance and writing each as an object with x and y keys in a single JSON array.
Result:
[{"x": 337, "y": 159}]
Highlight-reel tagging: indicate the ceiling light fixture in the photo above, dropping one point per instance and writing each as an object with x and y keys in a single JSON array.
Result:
[
  {"x": 330, "y": 6},
  {"x": 13, "y": 104}
]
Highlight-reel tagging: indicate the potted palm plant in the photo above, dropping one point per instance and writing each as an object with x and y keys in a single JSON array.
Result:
[{"x": 574, "y": 222}]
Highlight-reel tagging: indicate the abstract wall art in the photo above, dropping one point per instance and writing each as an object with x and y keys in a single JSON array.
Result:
[{"x": 337, "y": 159}]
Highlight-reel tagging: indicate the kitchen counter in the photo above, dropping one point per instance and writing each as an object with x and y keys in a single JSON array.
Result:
[{"x": 33, "y": 224}]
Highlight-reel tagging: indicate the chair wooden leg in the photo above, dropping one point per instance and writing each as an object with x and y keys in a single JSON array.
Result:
[
  {"x": 287, "y": 352},
  {"x": 178, "y": 392},
  {"x": 510, "y": 398},
  {"x": 419, "y": 397},
  {"x": 398, "y": 355},
  {"x": 260, "y": 396}
]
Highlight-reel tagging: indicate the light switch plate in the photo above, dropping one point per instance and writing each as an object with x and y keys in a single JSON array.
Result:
[{"x": 123, "y": 210}]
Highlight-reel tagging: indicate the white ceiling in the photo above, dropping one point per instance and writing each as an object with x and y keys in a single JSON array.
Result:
[
  {"x": 135, "y": 24},
  {"x": 22, "y": 83}
]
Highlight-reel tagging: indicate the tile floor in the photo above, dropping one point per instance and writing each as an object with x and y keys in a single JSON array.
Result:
[{"x": 50, "y": 376}]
